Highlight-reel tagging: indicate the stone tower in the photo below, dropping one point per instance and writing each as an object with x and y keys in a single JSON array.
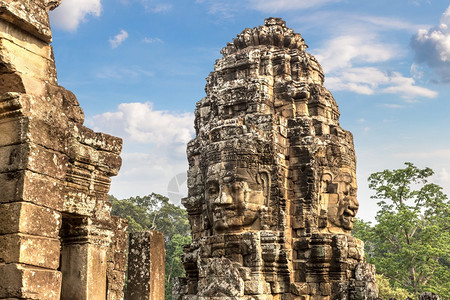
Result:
[
  {"x": 272, "y": 184},
  {"x": 57, "y": 238}
]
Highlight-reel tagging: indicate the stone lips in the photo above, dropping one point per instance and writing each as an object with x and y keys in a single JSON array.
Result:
[{"x": 272, "y": 179}]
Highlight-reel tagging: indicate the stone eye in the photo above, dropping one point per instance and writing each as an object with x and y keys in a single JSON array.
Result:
[
  {"x": 236, "y": 187},
  {"x": 212, "y": 189},
  {"x": 228, "y": 178}
]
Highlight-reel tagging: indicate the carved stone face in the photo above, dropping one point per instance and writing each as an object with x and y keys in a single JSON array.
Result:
[
  {"x": 342, "y": 205},
  {"x": 234, "y": 197}
]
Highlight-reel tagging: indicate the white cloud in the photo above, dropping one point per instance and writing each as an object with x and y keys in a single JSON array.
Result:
[
  {"x": 371, "y": 80},
  {"x": 117, "y": 72},
  {"x": 225, "y": 9},
  {"x": 228, "y": 8},
  {"x": 117, "y": 40},
  {"x": 271, "y": 6},
  {"x": 387, "y": 23},
  {"x": 351, "y": 63},
  {"x": 443, "y": 154},
  {"x": 416, "y": 71},
  {"x": 158, "y": 8},
  {"x": 149, "y": 40},
  {"x": 344, "y": 51},
  {"x": 139, "y": 122},
  {"x": 406, "y": 88},
  {"x": 154, "y": 146},
  {"x": 432, "y": 47},
  {"x": 443, "y": 176},
  {"x": 359, "y": 80},
  {"x": 71, "y": 12},
  {"x": 393, "y": 106},
  {"x": 151, "y": 5}
]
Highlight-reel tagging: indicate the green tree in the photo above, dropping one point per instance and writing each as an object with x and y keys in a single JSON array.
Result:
[
  {"x": 155, "y": 212},
  {"x": 410, "y": 243},
  {"x": 386, "y": 292}
]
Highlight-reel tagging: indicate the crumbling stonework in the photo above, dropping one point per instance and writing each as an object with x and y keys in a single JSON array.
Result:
[
  {"x": 272, "y": 184},
  {"x": 57, "y": 238}
]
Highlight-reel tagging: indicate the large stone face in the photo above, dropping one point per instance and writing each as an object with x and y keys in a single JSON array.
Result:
[
  {"x": 272, "y": 184},
  {"x": 57, "y": 238}
]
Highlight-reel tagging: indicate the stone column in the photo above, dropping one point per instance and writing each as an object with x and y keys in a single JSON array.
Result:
[
  {"x": 31, "y": 163},
  {"x": 54, "y": 173},
  {"x": 83, "y": 265},
  {"x": 146, "y": 258}
]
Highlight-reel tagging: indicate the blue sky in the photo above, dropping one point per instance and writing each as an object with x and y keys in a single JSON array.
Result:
[{"x": 138, "y": 67}]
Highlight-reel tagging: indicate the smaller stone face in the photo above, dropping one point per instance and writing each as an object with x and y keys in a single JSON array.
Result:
[{"x": 338, "y": 201}]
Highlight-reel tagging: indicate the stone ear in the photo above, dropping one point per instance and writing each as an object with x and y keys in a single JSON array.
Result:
[
  {"x": 52, "y": 4},
  {"x": 264, "y": 179}
]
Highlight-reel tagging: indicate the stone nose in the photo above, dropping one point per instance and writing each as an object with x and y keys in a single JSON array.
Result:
[
  {"x": 354, "y": 204},
  {"x": 223, "y": 198}
]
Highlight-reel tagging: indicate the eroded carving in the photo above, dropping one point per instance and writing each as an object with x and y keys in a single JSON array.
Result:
[{"x": 272, "y": 184}]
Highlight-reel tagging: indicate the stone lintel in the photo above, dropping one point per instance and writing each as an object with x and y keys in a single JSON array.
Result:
[{"x": 30, "y": 16}]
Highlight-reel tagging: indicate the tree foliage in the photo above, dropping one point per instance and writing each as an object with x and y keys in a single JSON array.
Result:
[
  {"x": 386, "y": 292},
  {"x": 155, "y": 212},
  {"x": 410, "y": 243}
]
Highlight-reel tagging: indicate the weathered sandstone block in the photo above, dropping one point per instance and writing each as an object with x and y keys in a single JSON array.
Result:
[
  {"x": 27, "y": 249},
  {"x": 26, "y": 282},
  {"x": 34, "y": 219}
]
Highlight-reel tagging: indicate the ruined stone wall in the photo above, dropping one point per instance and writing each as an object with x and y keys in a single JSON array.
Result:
[
  {"x": 272, "y": 183},
  {"x": 57, "y": 238}
]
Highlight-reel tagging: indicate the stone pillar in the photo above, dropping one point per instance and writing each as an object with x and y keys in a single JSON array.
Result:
[
  {"x": 117, "y": 260},
  {"x": 146, "y": 258},
  {"x": 54, "y": 174},
  {"x": 83, "y": 267},
  {"x": 31, "y": 163}
]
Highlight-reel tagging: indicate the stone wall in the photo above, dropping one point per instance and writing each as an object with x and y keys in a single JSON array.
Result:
[
  {"x": 272, "y": 180},
  {"x": 57, "y": 238}
]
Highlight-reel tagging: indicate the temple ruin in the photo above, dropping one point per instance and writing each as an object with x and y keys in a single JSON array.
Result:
[
  {"x": 57, "y": 237},
  {"x": 272, "y": 184}
]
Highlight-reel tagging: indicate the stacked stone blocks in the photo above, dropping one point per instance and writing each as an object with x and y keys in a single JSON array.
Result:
[
  {"x": 57, "y": 237},
  {"x": 272, "y": 182}
]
